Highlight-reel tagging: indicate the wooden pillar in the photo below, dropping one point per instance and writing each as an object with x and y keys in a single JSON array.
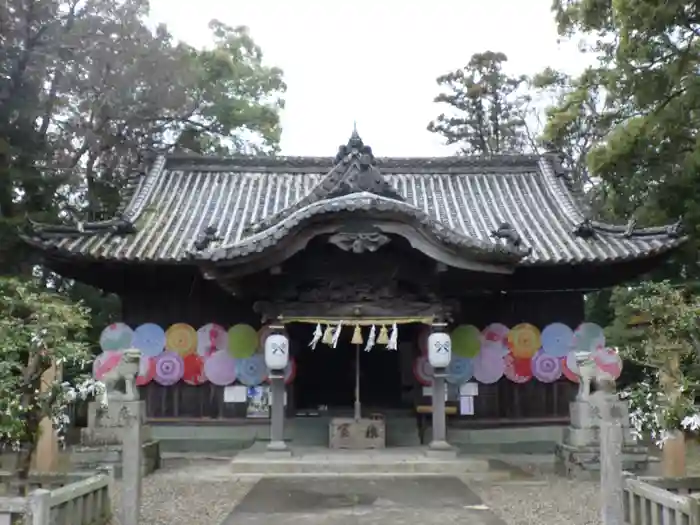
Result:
[{"x": 46, "y": 455}]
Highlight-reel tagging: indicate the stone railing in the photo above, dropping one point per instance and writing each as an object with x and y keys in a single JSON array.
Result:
[
  {"x": 59, "y": 499},
  {"x": 666, "y": 501}
]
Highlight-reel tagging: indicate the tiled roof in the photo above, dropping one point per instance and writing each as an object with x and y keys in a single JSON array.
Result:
[{"x": 252, "y": 202}]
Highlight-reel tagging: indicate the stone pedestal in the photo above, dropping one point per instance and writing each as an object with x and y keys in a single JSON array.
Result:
[
  {"x": 578, "y": 455},
  {"x": 101, "y": 442},
  {"x": 106, "y": 425},
  {"x": 362, "y": 434}
]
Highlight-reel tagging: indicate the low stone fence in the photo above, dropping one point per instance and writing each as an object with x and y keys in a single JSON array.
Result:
[
  {"x": 662, "y": 501},
  {"x": 59, "y": 499}
]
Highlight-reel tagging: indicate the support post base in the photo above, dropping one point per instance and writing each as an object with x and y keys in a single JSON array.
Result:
[
  {"x": 441, "y": 449},
  {"x": 278, "y": 449}
]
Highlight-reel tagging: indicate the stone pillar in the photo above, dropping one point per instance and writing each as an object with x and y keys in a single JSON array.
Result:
[
  {"x": 39, "y": 507},
  {"x": 439, "y": 441},
  {"x": 277, "y": 443},
  {"x": 611, "y": 443},
  {"x": 132, "y": 413}
]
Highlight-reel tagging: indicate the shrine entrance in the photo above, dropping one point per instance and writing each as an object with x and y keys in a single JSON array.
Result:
[{"x": 326, "y": 376}]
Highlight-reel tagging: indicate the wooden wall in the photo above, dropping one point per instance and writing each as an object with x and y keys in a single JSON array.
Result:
[
  {"x": 199, "y": 302},
  {"x": 505, "y": 401}
]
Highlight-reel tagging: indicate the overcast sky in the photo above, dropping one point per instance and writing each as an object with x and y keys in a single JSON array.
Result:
[{"x": 374, "y": 62}]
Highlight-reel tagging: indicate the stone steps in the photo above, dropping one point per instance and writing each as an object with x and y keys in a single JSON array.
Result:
[
  {"x": 370, "y": 462},
  {"x": 358, "y": 467}
]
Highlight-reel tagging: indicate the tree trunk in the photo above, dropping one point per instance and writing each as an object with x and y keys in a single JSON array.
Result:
[{"x": 673, "y": 455}]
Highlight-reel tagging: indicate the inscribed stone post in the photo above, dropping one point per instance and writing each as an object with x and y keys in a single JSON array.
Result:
[
  {"x": 131, "y": 462},
  {"x": 611, "y": 479}
]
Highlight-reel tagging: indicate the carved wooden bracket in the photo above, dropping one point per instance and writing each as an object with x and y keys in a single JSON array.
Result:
[{"x": 359, "y": 242}]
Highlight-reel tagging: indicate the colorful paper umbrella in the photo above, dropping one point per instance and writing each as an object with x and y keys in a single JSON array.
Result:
[
  {"x": 116, "y": 337},
  {"x": 242, "y": 341},
  {"x": 210, "y": 338},
  {"x": 524, "y": 340},
  {"x": 169, "y": 368},
  {"x": 220, "y": 368},
  {"x": 517, "y": 369},
  {"x": 251, "y": 371},
  {"x": 181, "y": 338},
  {"x": 150, "y": 339},
  {"x": 194, "y": 370},
  {"x": 569, "y": 367},
  {"x": 557, "y": 339},
  {"x": 609, "y": 361},
  {"x": 494, "y": 339},
  {"x": 466, "y": 341},
  {"x": 422, "y": 371},
  {"x": 460, "y": 370},
  {"x": 588, "y": 337},
  {"x": 488, "y": 368},
  {"x": 546, "y": 367},
  {"x": 147, "y": 370},
  {"x": 105, "y": 362}
]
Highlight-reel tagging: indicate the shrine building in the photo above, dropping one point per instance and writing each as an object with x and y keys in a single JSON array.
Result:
[{"x": 355, "y": 255}]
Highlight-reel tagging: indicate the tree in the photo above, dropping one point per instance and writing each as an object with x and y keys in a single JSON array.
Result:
[
  {"x": 239, "y": 97},
  {"x": 486, "y": 115},
  {"x": 649, "y": 56},
  {"x": 656, "y": 327},
  {"x": 86, "y": 89},
  {"x": 575, "y": 123},
  {"x": 38, "y": 328}
]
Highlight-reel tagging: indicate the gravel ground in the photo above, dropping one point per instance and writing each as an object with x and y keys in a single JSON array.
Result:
[
  {"x": 200, "y": 492},
  {"x": 203, "y": 492},
  {"x": 545, "y": 500},
  {"x": 552, "y": 502}
]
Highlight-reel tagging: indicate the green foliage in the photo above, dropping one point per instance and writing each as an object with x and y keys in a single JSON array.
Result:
[
  {"x": 664, "y": 341},
  {"x": 37, "y": 328},
  {"x": 669, "y": 316},
  {"x": 241, "y": 97},
  {"x": 649, "y": 155},
  {"x": 486, "y": 111},
  {"x": 88, "y": 89}
]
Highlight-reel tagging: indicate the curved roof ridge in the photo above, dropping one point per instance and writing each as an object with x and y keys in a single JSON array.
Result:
[
  {"x": 353, "y": 172},
  {"x": 560, "y": 187},
  {"x": 326, "y": 162},
  {"x": 134, "y": 199},
  {"x": 360, "y": 201}
]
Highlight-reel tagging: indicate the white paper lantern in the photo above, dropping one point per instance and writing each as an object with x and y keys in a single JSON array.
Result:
[
  {"x": 276, "y": 351},
  {"x": 439, "y": 349}
]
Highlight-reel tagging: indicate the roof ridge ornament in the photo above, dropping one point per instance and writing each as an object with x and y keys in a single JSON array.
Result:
[
  {"x": 355, "y": 172},
  {"x": 513, "y": 239},
  {"x": 676, "y": 229},
  {"x": 355, "y": 148}
]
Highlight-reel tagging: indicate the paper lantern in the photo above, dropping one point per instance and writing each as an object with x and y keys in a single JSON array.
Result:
[
  {"x": 439, "y": 349},
  {"x": 276, "y": 351}
]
